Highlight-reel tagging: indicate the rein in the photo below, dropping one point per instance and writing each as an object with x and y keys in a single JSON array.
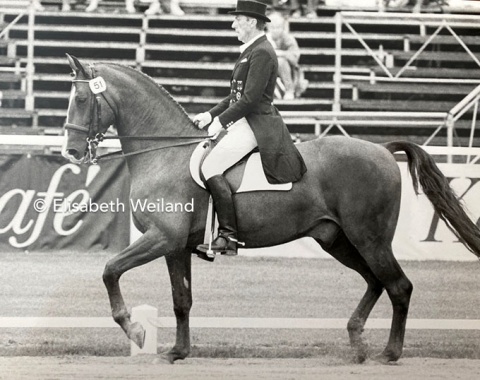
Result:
[
  {"x": 120, "y": 154},
  {"x": 95, "y": 120}
]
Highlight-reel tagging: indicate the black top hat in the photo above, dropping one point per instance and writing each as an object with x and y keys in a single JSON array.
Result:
[{"x": 251, "y": 8}]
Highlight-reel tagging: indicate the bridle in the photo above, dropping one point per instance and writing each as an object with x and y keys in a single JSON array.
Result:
[{"x": 95, "y": 138}]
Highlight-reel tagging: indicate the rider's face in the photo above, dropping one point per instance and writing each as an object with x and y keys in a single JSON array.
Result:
[{"x": 244, "y": 27}]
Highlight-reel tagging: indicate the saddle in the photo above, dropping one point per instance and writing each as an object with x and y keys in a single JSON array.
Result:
[{"x": 247, "y": 175}]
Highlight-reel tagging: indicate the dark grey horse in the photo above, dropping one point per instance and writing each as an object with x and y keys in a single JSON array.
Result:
[{"x": 348, "y": 201}]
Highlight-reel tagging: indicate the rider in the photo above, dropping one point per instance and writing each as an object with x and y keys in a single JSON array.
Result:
[{"x": 250, "y": 119}]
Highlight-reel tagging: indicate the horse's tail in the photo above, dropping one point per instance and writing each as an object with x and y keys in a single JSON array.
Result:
[{"x": 423, "y": 169}]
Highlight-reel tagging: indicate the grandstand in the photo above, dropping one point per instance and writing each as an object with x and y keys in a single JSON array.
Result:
[{"x": 374, "y": 75}]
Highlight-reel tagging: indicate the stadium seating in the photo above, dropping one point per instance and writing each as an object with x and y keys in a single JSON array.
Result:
[{"x": 194, "y": 65}]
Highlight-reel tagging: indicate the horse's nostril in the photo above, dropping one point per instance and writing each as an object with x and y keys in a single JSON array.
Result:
[{"x": 73, "y": 152}]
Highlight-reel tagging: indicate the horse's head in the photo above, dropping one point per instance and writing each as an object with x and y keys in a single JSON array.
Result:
[{"x": 89, "y": 113}]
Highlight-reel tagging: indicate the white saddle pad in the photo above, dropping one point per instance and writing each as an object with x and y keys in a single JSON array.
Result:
[{"x": 253, "y": 178}]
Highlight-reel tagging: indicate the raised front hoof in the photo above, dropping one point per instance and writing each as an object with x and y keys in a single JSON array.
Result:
[
  {"x": 137, "y": 334},
  {"x": 386, "y": 358}
]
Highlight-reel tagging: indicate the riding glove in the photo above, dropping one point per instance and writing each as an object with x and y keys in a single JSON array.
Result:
[{"x": 202, "y": 119}]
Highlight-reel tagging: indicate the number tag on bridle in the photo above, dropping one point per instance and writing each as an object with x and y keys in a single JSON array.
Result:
[{"x": 97, "y": 85}]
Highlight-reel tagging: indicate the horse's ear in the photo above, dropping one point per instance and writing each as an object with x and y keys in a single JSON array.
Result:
[{"x": 75, "y": 64}]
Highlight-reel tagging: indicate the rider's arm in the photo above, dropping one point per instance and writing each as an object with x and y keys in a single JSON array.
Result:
[{"x": 220, "y": 107}]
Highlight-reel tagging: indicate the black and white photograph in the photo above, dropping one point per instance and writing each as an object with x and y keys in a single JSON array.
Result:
[{"x": 239, "y": 189}]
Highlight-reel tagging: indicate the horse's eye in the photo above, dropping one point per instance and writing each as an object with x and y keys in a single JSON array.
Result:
[
  {"x": 72, "y": 74},
  {"x": 81, "y": 99}
]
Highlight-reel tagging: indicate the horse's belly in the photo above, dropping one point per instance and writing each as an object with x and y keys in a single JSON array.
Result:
[{"x": 271, "y": 218}]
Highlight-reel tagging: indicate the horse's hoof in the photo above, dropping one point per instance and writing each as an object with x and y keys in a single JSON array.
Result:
[
  {"x": 385, "y": 359},
  {"x": 137, "y": 334},
  {"x": 168, "y": 358},
  {"x": 174, "y": 355},
  {"x": 360, "y": 357}
]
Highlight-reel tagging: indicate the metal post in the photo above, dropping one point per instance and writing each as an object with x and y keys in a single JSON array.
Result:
[
  {"x": 140, "y": 53},
  {"x": 406, "y": 43},
  {"x": 337, "y": 76},
  {"x": 450, "y": 124},
  {"x": 30, "y": 69},
  {"x": 472, "y": 130}
]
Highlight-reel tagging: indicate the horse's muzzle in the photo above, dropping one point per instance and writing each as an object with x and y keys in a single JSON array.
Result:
[{"x": 74, "y": 156}]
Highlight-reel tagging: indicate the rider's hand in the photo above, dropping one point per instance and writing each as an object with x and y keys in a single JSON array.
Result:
[
  {"x": 215, "y": 128},
  {"x": 202, "y": 119}
]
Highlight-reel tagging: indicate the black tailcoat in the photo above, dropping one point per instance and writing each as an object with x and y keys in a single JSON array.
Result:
[{"x": 252, "y": 85}]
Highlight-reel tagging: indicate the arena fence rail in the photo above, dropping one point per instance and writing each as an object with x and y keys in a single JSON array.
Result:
[{"x": 148, "y": 316}]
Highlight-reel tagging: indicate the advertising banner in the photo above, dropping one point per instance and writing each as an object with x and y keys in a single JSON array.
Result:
[
  {"x": 421, "y": 235},
  {"x": 48, "y": 203}
]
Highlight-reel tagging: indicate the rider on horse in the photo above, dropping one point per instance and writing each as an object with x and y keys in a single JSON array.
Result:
[{"x": 251, "y": 120}]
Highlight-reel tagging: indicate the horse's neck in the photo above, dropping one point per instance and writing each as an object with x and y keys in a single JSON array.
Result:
[
  {"x": 156, "y": 114},
  {"x": 144, "y": 109}
]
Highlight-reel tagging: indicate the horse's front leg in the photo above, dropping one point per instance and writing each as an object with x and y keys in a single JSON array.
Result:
[
  {"x": 142, "y": 251},
  {"x": 179, "y": 268}
]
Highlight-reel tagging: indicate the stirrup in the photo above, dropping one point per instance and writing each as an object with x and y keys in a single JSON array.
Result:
[{"x": 229, "y": 248}]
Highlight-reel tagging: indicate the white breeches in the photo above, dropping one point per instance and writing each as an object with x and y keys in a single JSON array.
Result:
[{"x": 238, "y": 142}]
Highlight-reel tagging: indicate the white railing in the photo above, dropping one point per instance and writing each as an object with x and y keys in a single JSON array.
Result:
[
  {"x": 384, "y": 60},
  {"x": 7, "y": 29},
  {"x": 29, "y": 70},
  {"x": 148, "y": 317},
  {"x": 469, "y": 102},
  {"x": 337, "y": 118},
  {"x": 4, "y": 34}
]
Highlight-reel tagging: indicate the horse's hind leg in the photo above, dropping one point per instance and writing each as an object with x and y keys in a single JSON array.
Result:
[
  {"x": 179, "y": 268},
  {"x": 348, "y": 255},
  {"x": 399, "y": 289},
  {"x": 144, "y": 250},
  {"x": 382, "y": 263}
]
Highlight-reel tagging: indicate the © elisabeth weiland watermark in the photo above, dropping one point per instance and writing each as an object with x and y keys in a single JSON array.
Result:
[{"x": 65, "y": 206}]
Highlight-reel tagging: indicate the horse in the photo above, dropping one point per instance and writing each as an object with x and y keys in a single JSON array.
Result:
[{"x": 348, "y": 201}]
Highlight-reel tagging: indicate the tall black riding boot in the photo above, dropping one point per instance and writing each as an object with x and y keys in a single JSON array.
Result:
[{"x": 226, "y": 242}]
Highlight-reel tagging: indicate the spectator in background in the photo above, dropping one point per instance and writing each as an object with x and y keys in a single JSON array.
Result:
[
  {"x": 288, "y": 54},
  {"x": 416, "y": 5},
  {"x": 397, "y": 4},
  {"x": 156, "y": 6},
  {"x": 93, "y": 5},
  {"x": 298, "y": 8},
  {"x": 417, "y": 8},
  {"x": 169, "y": 6},
  {"x": 307, "y": 8}
]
